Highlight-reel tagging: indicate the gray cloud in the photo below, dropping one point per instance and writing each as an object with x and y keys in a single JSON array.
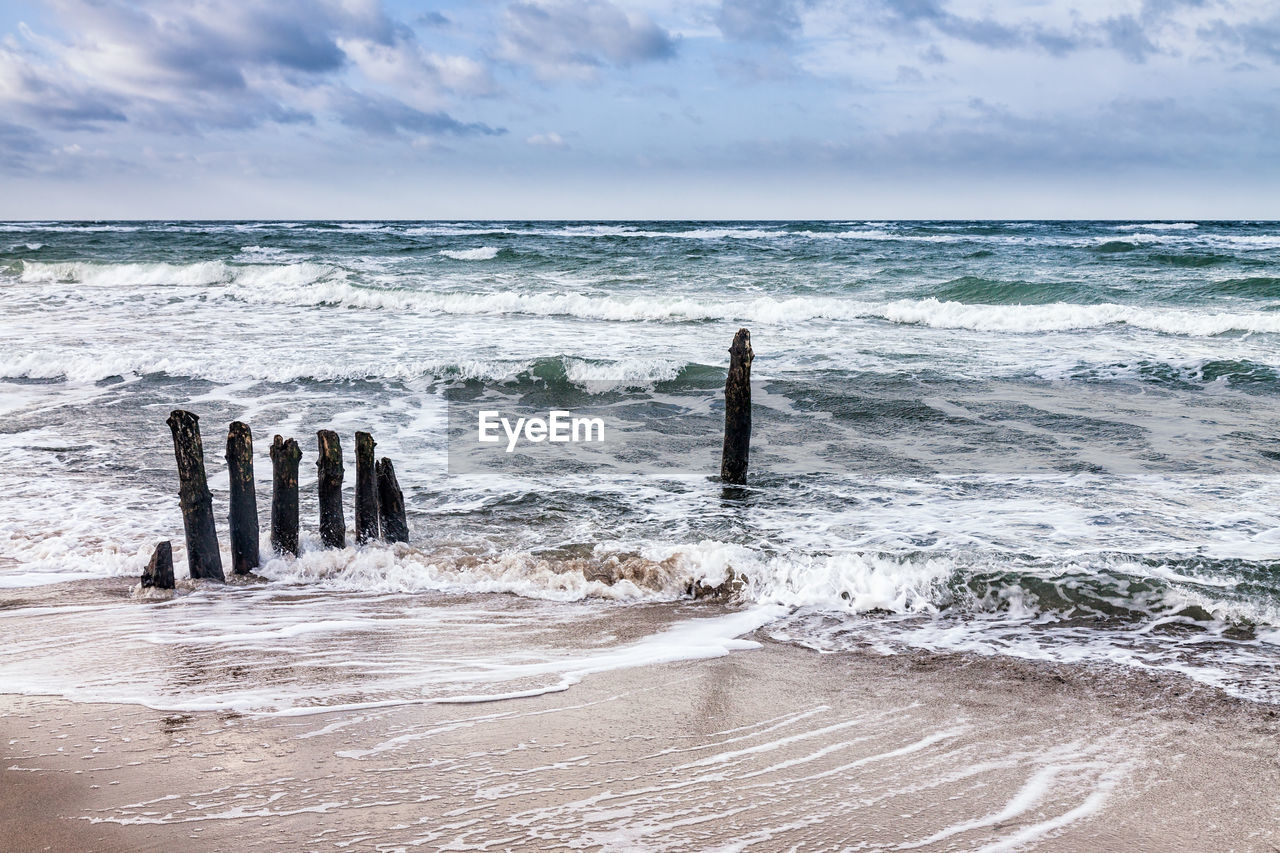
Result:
[
  {"x": 432, "y": 19},
  {"x": 385, "y": 116},
  {"x": 1133, "y": 36},
  {"x": 16, "y": 144},
  {"x": 214, "y": 46},
  {"x": 1257, "y": 37},
  {"x": 774, "y": 21},
  {"x": 575, "y": 38},
  {"x": 1129, "y": 37},
  {"x": 184, "y": 68},
  {"x": 984, "y": 31}
]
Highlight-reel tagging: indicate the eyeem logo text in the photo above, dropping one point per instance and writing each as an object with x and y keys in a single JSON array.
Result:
[{"x": 558, "y": 427}]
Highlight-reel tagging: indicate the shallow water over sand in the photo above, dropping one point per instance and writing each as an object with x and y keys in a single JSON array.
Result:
[{"x": 759, "y": 750}]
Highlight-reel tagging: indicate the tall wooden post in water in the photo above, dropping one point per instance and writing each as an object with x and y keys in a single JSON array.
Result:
[
  {"x": 203, "y": 559},
  {"x": 284, "y": 495},
  {"x": 395, "y": 526},
  {"x": 333, "y": 527},
  {"x": 366, "y": 490},
  {"x": 737, "y": 411},
  {"x": 243, "y": 518}
]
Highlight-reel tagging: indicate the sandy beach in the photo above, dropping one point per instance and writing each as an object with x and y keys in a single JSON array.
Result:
[{"x": 776, "y": 748}]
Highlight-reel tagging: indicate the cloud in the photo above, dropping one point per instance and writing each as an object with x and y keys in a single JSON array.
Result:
[
  {"x": 1129, "y": 37},
  {"x": 386, "y": 116},
  {"x": 189, "y": 67},
  {"x": 988, "y": 32},
  {"x": 16, "y": 143},
  {"x": 1259, "y": 36},
  {"x": 409, "y": 67},
  {"x": 547, "y": 140},
  {"x": 576, "y": 38},
  {"x": 774, "y": 21},
  {"x": 1134, "y": 37},
  {"x": 432, "y": 19}
]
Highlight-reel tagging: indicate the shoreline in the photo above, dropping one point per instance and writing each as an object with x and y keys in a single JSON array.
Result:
[{"x": 765, "y": 748}]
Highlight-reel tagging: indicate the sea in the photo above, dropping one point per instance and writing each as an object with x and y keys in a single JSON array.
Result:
[{"x": 1051, "y": 441}]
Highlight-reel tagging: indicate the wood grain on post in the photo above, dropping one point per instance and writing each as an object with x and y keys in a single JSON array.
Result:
[
  {"x": 159, "y": 572},
  {"x": 737, "y": 411},
  {"x": 333, "y": 527},
  {"x": 395, "y": 526},
  {"x": 285, "y": 456},
  {"x": 243, "y": 518},
  {"x": 366, "y": 490},
  {"x": 203, "y": 559}
]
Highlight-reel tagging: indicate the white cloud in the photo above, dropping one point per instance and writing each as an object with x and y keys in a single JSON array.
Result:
[{"x": 547, "y": 140}]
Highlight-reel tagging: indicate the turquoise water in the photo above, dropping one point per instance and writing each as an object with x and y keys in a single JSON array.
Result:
[{"x": 1049, "y": 440}]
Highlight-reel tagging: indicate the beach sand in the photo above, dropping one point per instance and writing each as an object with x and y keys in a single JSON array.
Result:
[{"x": 770, "y": 749}]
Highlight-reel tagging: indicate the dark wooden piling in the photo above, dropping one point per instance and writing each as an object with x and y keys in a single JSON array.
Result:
[
  {"x": 203, "y": 559},
  {"x": 366, "y": 489},
  {"x": 159, "y": 572},
  {"x": 285, "y": 456},
  {"x": 243, "y": 518},
  {"x": 333, "y": 527},
  {"x": 395, "y": 526},
  {"x": 737, "y": 411}
]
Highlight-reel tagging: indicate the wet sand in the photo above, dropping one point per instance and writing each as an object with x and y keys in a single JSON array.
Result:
[{"x": 769, "y": 749}]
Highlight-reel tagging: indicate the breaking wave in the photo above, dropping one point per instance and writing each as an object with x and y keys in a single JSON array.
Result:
[
  {"x": 484, "y": 253},
  {"x": 312, "y": 284},
  {"x": 1115, "y": 588},
  {"x": 203, "y": 273},
  {"x": 554, "y": 369}
]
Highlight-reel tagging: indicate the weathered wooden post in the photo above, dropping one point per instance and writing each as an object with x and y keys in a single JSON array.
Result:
[
  {"x": 284, "y": 495},
  {"x": 159, "y": 572},
  {"x": 737, "y": 411},
  {"x": 395, "y": 526},
  {"x": 366, "y": 489},
  {"x": 243, "y": 518},
  {"x": 333, "y": 527},
  {"x": 203, "y": 559}
]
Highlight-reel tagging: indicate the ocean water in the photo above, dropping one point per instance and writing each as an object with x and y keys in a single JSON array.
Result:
[{"x": 1046, "y": 440}]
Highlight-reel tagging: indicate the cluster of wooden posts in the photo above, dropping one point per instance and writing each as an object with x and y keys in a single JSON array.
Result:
[{"x": 380, "y": 510}]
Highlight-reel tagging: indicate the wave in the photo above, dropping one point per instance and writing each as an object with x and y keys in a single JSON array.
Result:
[
  {"x": 560, "y": 369},
  {"x": 1158, "y": 226},
  {"x": 201, "y": 273},
  {"x": 984, "y": 291},
  {"x": 313, "y": 284},
  {"x": 932, "y": 312},
  {"x": 1190, "y": 260},
  {"x": 484, "y": 253},
  {"x": 1264, "y": 286},
  {"x": 1118, "y": 587},
  {"x": 108, "y": 274},
  {"x": 267, "y": 254},
  {"x": 1236, "y": 373}
]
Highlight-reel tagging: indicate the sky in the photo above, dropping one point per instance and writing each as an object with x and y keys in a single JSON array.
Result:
[{"x": 633, "y": 109}]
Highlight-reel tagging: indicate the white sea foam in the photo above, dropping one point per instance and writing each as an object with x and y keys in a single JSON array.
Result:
[
  {"x": 267, "y": 254},
  {"x": 110, "y": 275},
  {"x": 203, "y": 273},
  {"x": 484, "y": 253}
]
